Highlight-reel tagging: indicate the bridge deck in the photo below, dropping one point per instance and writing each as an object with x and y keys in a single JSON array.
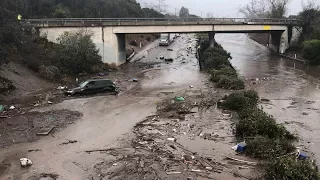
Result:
[{"x": 89, "y": 22}]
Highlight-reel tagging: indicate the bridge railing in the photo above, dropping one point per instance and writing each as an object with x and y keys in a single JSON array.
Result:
[{"x": 153, "y": 21}]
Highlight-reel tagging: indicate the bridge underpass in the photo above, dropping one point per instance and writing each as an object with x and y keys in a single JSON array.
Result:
[{"x": 109, "y": 34}]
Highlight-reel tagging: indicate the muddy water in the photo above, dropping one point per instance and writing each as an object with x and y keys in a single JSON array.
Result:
[
  {"x": 107, "y": 120},
  {"x": 292, "y": 87}
]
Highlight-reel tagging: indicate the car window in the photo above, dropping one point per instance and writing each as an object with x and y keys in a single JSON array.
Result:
[
  {"x": 83, "y": 84},
  {"x": 91, "y": 84},
  {"x": 105, "y": 82}
]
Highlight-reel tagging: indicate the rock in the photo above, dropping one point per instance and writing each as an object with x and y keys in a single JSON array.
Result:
[{"x": 304, "y": 113}]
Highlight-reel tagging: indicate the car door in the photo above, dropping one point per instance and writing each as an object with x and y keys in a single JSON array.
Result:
[
  {"x": 90, "y": 88},
  {"x": 100, "y": 86}
]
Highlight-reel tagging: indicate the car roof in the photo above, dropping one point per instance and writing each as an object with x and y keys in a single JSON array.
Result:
[{"x": 98, "y": 80}]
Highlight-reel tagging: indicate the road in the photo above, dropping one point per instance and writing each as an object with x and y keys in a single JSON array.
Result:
[
  {"x": 107, "y": 121},
  {"x": 292, "y": 87}
]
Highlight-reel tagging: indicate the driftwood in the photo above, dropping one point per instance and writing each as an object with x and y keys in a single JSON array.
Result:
[{"x": 239, "y": 160}]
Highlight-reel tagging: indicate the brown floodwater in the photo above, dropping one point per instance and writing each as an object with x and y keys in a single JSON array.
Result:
[{"x": 292, "y": 87}]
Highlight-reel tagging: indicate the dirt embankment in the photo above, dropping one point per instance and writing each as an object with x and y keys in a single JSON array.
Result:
[
  {"x": 133, "y": 42},
  {"x": 261, "y": 38}
]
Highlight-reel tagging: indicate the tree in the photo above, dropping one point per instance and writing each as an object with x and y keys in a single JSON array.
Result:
[
  {"x": 152, "y": 13},
  {"x": 76, "y": 53},
  {"x": 265, "y": 9},
  {"x": 61, "y": 11},
  {"x": 184, "y": 12},
  {"x": 310, "y": 17},
  {"x": 278, "y": 8}
]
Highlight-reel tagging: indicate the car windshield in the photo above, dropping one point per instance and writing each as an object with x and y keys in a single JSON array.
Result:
[{"x": 83, "y": 84}]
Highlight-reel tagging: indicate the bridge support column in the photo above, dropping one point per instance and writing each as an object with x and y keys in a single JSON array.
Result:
[
  {"x": 279, "y": 41},
  {"x": 211, "y": 39},
  {"x": 114, "y": 47}
]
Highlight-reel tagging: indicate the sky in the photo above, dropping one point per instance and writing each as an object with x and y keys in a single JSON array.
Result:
[{"x": 219, "y": 8}]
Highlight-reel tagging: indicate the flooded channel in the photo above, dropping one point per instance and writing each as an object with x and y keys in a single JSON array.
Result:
[{"x": 291, "y": 87}]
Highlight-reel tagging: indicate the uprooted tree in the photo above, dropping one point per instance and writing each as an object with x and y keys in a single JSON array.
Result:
[{"x": 265, "y": 9}]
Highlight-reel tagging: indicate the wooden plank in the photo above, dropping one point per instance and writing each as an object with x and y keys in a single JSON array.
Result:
[{"x": 45, "y": 131}]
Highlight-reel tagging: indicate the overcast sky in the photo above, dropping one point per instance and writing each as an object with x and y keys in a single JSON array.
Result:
[{"x": 220, "y": 8}]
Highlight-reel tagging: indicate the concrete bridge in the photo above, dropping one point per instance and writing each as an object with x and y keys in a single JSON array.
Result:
[{"x": 109, "y": 34}]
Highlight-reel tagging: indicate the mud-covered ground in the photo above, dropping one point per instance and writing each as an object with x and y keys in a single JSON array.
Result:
[
  {"x": 130, "y": 136},
  {"x": 23, "y": 128},
  {"x": 145, "y": 133}
]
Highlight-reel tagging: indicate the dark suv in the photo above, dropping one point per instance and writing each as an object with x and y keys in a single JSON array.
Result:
[{"x": 93, "y": 86}]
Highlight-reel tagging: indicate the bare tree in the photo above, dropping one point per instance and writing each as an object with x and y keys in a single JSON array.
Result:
[
  {"x": 278, "y": 8},
  {"x": 265, "y": 9},
  {"x": 310, "y": 4}
]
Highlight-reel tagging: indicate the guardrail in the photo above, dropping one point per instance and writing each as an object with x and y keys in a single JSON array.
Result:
[{"x": 154, "y": 21}]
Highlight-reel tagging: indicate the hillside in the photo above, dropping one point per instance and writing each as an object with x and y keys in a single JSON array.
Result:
[{"x": 22, "y": 54}]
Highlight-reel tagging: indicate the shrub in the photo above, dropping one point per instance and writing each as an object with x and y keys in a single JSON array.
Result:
[
  {"x": 255, "y": 122},
  {"x": 76, "y": 53},
  {"x": 240, "y": 100},
  {"x": 50, "y": 72},
  {"x": 230, "y": 82},
  {"x": 133, "y": 43},
  {"x": 6, "y": 85},
  {"x": 148, "y": 38},
  {"x": 288, "y": 167},
  {"x": 224, "y": 71},
  {"x": 266, "y": 148},
  {"x": 311, "y": 51},
  {"x": 215, "y": 58}
]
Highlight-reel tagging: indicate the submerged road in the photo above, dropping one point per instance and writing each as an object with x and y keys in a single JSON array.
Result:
[
  {"x": 107, "y": 120},
  {"x": 292, "y": 87}
]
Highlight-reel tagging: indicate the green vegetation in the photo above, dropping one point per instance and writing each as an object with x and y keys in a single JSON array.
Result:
[
  {"x": 267, "y": 140},
  {"x": 265, "y": 148},
  {"x": 215, "y": 60},
  {"x": 76, "y": 53},
  {"x": 238, "y": 101},
  {"x": 288, "y": 167},
  {"x": 311, "y": 51}
]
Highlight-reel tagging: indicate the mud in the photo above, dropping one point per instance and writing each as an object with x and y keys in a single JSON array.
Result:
[
  {"x": 22, "y": 128},
  {"x": 143, "y": 133},
  {"x": 168, "y": 148}
]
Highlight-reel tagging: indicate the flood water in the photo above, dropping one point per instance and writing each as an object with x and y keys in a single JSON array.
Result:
[{"x": 292, "y": 87}]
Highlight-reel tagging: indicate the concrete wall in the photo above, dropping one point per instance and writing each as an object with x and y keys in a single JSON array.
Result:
[
  {"x": 111, "y": 46},
  {"x": 296, "y": 34}
]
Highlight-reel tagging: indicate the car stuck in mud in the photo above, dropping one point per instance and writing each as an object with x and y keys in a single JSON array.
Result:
[{"x": 93, "y": 86}]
